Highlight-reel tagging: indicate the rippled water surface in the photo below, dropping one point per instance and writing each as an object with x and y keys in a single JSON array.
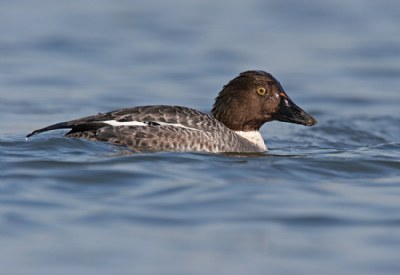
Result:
[{"x": 322, "y": 200}]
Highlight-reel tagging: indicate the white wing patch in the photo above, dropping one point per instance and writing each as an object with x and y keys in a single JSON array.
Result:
[
  {"x": 125, "y": 123},
  {"x": 140, "y": 123}
]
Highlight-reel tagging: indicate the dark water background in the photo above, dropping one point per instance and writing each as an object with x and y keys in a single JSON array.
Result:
[{"x": 323, "y": 200}]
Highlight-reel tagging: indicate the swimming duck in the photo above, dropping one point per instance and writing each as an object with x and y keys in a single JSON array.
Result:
[{"x": 240, "y": 109}]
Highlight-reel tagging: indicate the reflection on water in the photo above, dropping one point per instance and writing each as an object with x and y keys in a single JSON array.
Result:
[{"x": 323, "y": 200}]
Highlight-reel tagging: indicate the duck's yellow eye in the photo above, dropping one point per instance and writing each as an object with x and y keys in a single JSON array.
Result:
[{"x": 261, "y": 91}]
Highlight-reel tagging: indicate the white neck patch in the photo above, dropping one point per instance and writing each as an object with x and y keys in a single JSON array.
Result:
[{"x": 254, "y": 137}]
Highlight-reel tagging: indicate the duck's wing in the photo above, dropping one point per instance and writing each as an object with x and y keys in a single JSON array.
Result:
[{"x": 178, "y": 116}]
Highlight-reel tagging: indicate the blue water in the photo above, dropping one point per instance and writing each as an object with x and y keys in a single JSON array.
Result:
[{"x": 322, "y": 200}]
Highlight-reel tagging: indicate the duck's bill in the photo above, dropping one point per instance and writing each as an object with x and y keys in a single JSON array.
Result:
[{"x": 290, "y": 112}]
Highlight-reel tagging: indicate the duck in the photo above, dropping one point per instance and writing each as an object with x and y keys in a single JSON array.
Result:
[{"x": 241, "y": 108}]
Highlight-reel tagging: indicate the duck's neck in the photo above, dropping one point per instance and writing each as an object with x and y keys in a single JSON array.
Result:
[{"x": 254, "y": 137}]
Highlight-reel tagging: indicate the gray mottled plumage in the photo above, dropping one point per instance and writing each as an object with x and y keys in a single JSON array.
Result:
[{"x": 238, "y": 107}]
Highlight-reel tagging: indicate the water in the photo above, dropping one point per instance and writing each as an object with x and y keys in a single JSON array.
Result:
[{"x": 323, "y": 200}]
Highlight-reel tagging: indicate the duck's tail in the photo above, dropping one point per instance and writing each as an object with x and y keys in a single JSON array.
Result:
[
  {"x": 61, "y": 125},
  {"x": 75, "y": 127}
]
